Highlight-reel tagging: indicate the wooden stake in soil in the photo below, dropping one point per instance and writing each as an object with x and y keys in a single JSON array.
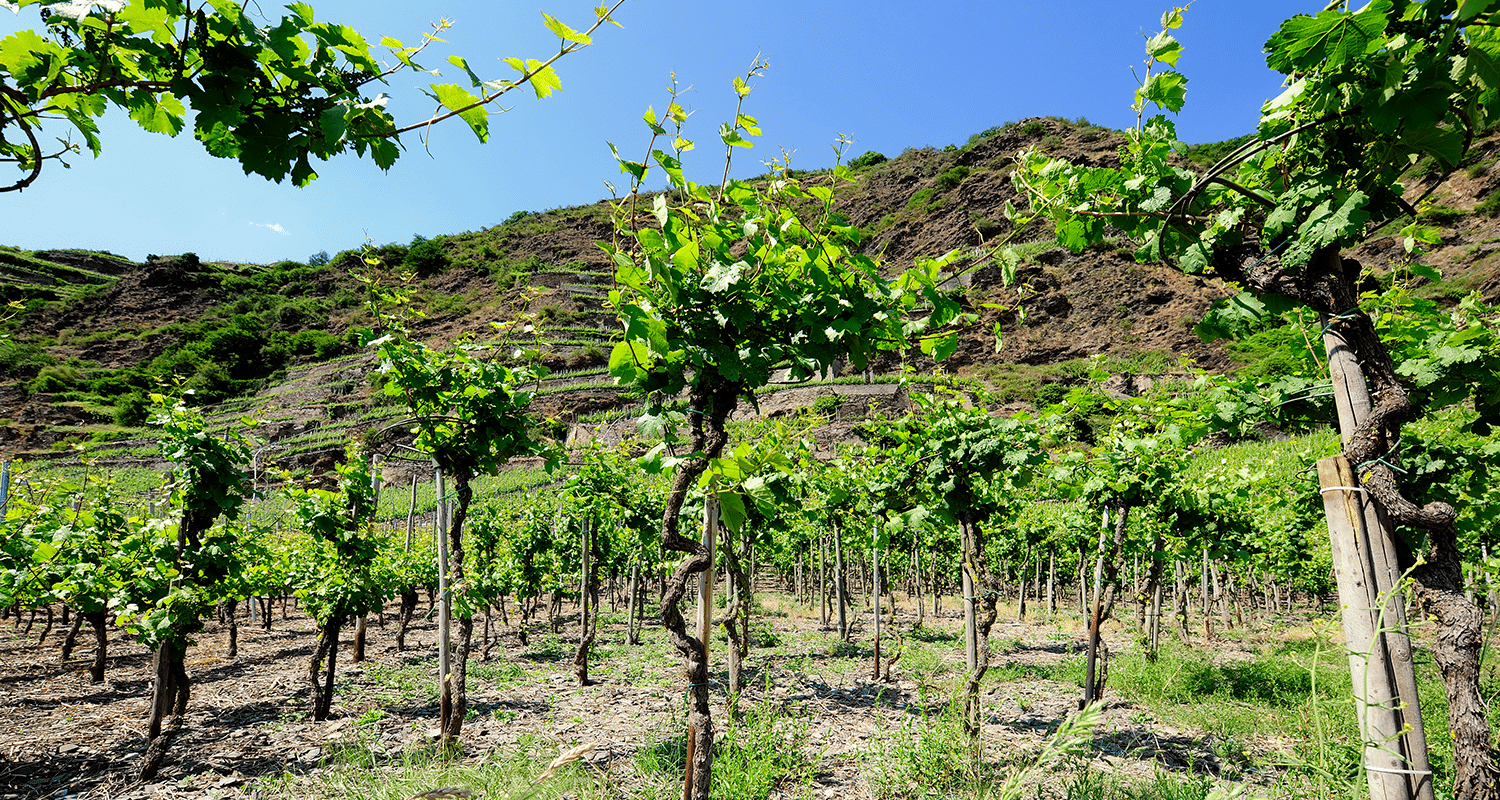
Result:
[
  {"x": 1368, "y": 615},
  {"x": 1352, "y": 400},
  {"x": 699, "y": 693},
  {"x": 875, "y": 565},
  {"x": 1090, "y": 693}
]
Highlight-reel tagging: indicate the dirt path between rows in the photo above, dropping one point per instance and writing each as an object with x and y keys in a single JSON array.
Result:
[{"x": 61, "y": 736}]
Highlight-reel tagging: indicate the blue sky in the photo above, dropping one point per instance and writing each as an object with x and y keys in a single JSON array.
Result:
[{"x": 890, "y": 74}]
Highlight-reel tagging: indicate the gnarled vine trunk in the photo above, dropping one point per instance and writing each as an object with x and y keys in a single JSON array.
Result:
[
  {"x": 457, "y": 686},
  {"x": 408, "y": 607},
  {"x": 710, "y": 405},
  {"x": 588, "y": 614},
  {"x": 169, "y": 698},
  {"x": 1328, "y": 285},
  {"x": 320, "y": 684},
  {"x": 984, "y": 596}
]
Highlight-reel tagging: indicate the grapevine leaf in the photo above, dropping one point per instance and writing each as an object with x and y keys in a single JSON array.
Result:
[
  {"x": 1164, "y": 48},
  {"x": 543, "y": 79},
  {"x": 1327, "y": 41},
  {"x": 721, "y": 276},
  {"x": 564, "y": 32},
  {"x": 463, "y": 64},
  {"x": 730, "y": 135},
  {"x": 1469, "y": 9},
  {"x": 1482, "y": 63},
  {"x": 1167, "y": 90},
  {"x": 455, "y": 97},
  {"x": 157, "y": 115},
  {"x": 1444, "y": 144},
  {"x": 732, "y": 510}
]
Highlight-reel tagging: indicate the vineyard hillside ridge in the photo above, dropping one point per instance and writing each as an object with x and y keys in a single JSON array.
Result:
[{"x": 276, "y": 342}]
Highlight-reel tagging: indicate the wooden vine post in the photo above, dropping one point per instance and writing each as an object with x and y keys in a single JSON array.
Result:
[
  {"x": 875, "y": 588},
  {"x": 971, "y": 591},
  {"x": 699, "y": 688},
  {"x": 1374, "y": 608},
  {"x": 1090, "y": 687}
]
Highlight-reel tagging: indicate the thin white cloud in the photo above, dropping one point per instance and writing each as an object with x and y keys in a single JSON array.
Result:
[{"x": 274, "y": 226}]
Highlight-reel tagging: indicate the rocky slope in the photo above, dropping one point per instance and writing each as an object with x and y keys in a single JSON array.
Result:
[{"x": 108, "y": 317}]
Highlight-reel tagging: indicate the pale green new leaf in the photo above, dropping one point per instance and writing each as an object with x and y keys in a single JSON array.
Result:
[
  {"x": 544, "y": 80},
  {"x": 564, "y": 32},
  {"x": 463, "y": 64},
  {"x": 455, "y": 98}
]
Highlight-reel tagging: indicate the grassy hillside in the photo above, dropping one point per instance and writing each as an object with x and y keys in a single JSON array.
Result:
[{"x": 276, "y": 341}]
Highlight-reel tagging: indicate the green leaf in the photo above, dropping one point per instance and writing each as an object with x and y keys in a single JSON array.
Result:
[
  {"x": 1444, "y": 144},
  {"x": 671, "y": 165},
  {"x": 463, "y": 64},
  {"x": 721, "y": 276},
  {"x": 730, "y": 136},
  {"x": 455, "y": 97},
  {"x": 564, "y": 32},
  {"x": 732, "y": 510},
  {"x": 1327, "y": 41},
  {"x": 1164, "y": 48},
  {"x": 1425, "y": 271},
  {"x": 939, "y": 348},
  {"x": 157, "y": 115},
  {"x": 1483, "y": 63},
  {"x": 635, "y": 169},
  {"x": 627, "y": 362},
  {"x": 543, "y": 79},
  {"x": 1167, "y": 90},
  {"x": 1469, "y": 9}
]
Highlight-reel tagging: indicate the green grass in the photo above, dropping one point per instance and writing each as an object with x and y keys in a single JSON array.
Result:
[
  {"x": 1297, "y": 692},
  {"x": 764, "y": 751},
  {"x": 411, "y": 683},
  {"x": 926, "y": 756},
  {"x": 350, "y": 774}
]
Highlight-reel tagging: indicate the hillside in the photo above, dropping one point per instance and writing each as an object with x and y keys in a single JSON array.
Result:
[{"x": 275, "y": 341}]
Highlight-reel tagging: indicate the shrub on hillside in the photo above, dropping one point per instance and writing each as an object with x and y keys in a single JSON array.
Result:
[
  {"x": 132, "y": 409},
  {"x": 425, "y": 256},
  {"x": 22, "y": 359},
  {"x": 952, "y": 178}
]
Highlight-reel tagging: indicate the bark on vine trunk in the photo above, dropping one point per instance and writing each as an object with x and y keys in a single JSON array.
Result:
[
  {"x": 632, "y": 631},
  {"x": 97, "y": 621},
  {"x": 169, "y": 699},
  {"x": 875, "y": 579},
  {"x": 710, "y": 403},
  {"x": 319, "y": 683},
  {"x": 71, "y": 640},
  {"x": 1328, "y": 285},
  {"x": 589, "y": 612},
  {"x": 976, "y": 568},
  {"x": 230, "y": 607},
  {"x": 408, "y": 607},
  {"x": 840, "y": 584},
  {"x": 737, "y": 611},
  {"x": 459, "y": 666},
  {"x": 1151, "y": 597},
  {"x": 1106, "y": 577}
]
